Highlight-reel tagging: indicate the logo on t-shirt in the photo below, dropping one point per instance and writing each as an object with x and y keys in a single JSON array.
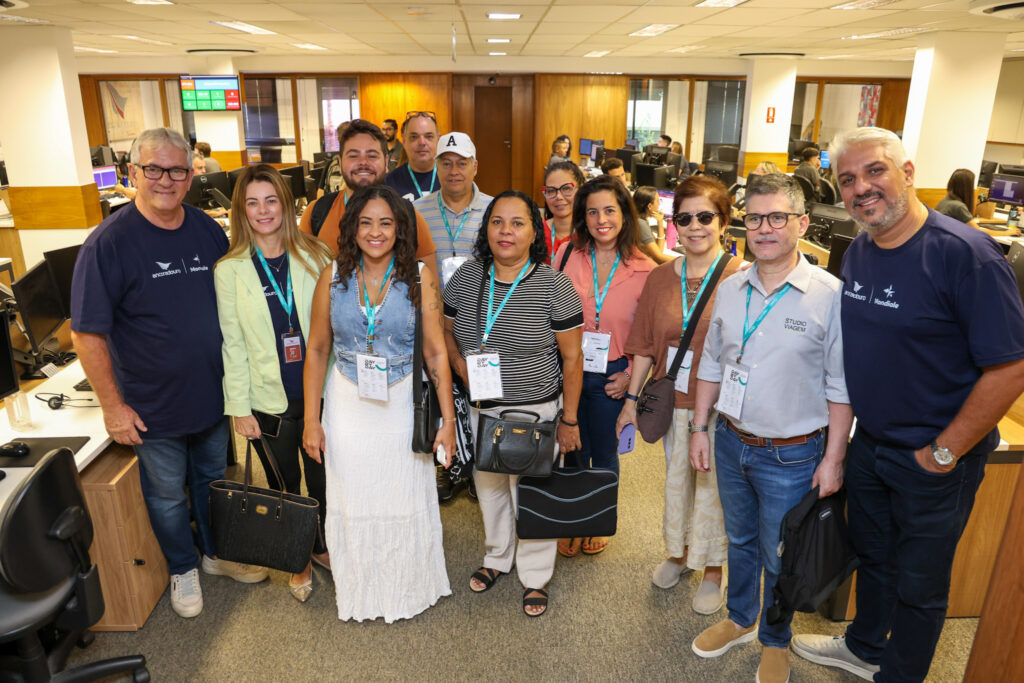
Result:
[
  {"x": 795, "y": 325},
  {"x": 854, "y": 294},
  {"x": 887, "y": 301},
  {"x": 198, "y": 268},
  {"x": 165, "y": 270}
]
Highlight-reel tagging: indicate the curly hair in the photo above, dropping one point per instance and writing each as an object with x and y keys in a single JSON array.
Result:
[
  {"x": 538, "y": 248},
  {"x": 629, "y": 234},
  {"x": 404, "y": 250}
]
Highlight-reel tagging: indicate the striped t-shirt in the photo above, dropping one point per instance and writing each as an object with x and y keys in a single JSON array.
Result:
[
  {"x": 430, "y": 207},
  {"x": 544, "y": 303}
]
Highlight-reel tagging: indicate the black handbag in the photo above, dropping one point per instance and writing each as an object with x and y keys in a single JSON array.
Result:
[
  {"x": 568, "y": 504},
  {"x": 259, "y": 526},
  {"x": 508, "y": 446},
  {"x": 426, "y": 409},
  {"x": 658, "y": 397}
]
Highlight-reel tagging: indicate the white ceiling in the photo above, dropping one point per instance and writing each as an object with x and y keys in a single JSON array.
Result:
[{"x": 548, "y": 28}]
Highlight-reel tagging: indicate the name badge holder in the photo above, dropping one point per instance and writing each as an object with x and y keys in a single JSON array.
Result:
[
  {"x": 483, "y": 367},
  {"x": 371, "y": 369},
  {"x": 682, "y": 383},
  {"x": 291, "y": 342},
  {"x": 596, "y": 344}
]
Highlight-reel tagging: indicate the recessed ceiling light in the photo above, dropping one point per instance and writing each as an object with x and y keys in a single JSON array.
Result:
[
  {"x": 653, "y": 30},
  {"x": 416, "y": 11},
  {"x": 891, "y": 33},
  {"x": 498, "y": 40},
  {"x": 863, "y": 4},
  {"x": 308, "y": 46},
  {"x": 140, "y": 39},
  {"x": 720, "y": 3},
  {"x": 149, "y": 2},
  {"x": 1017, "y": 49},
  {"x": 497, "y": 54},
  {"x": 83, "y": 48},
  {"x": 244, "y": 27},
  {"x": 503, "y": 16},
  {"x": 22, "y": 20},
  {"x": 685, "y": 49},
  {"x": 597, "y": 53}
]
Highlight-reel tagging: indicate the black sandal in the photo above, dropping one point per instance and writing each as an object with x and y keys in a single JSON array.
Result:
[
  {"x": 535, "y": 601},
  {"x": 484, "y": 576}
]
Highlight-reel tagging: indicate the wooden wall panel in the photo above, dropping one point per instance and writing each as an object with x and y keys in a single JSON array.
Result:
[
  {"x": 750, "y": 160},
  {"x": 463, "y": 120},
  {"x": 390, "y": 96},
  {"x": 892, "y": 103},
  {"x": 578, "y": 105},
  {"x": 94, "y": 126},
  {"x": 55, "y": 207}
]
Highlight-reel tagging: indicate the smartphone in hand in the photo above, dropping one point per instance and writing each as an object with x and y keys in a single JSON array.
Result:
[{"x": 627, "y": 439}]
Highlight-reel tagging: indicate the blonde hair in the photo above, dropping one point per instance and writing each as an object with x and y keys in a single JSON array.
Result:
[
  {"x": 766, "y": 168},
  {"x": 298, "y": 244}
]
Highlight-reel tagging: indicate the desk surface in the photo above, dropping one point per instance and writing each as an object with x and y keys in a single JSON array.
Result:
[{"x": 64, "y": 422}]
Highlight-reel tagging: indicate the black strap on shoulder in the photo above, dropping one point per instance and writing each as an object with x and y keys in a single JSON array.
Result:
[
  {"x": 687, "y": 337},
  {"x": 417, "y": 347},
  {"x": 321, "y": 208},
  {"x": 565, "y": 256}
]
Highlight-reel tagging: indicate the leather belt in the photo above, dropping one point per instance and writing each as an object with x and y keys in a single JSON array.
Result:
[{"x": 763, "y": 442}]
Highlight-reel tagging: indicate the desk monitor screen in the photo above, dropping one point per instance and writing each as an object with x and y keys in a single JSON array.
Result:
[
  {"x": 39, "y": 304},
  {"x": 625, "y": 154},
  {"x": 643, "y": 174},
  {"x": 633, "y": 144},
  {"x": 586, "y": 145},
  {"x": 202, "y": 186},
  {"x": 662, "y": 174},
  {"x": 105, "y": 177},
  {"x": 840, "y": 243},
  {"x": 1011, "y": 169},
  {"x": 233, "y": 176},
  {"x": 665, "y": 198},
  {"x": 62, "y": 267},
  {"x": 985, "y": 173},
  {"x": 597, "y": 153},
  {"x": 823, "y": 157},
  {"x": 210, "y": 93},
  {"x": 1007, "y": 189},
  {"x": 1016, "y": 259},
  {"x": 297, "y": 175},
  {"x": 833, "y": 220},
  {"x": 725, "y": 171},
  {"x": 8, "y": 372}
]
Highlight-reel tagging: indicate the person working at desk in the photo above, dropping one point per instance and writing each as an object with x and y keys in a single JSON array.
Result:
[
  {"x": 144, "y": 324},
  {"x": 933, "y": 331}
]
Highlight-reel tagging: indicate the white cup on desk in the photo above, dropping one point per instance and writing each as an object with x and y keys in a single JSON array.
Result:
[{"x": 18, "y": 412}]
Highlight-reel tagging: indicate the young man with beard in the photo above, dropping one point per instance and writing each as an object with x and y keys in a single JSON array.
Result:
[{"x": 390, "y": 130}]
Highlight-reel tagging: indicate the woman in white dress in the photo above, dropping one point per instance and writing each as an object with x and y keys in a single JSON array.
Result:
[{"x": 383, "y": 525}]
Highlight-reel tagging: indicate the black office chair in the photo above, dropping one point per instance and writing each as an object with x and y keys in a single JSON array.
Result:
[
  {"x": 49, "y": 588},
  {"x": 828, "y": 193},
  {"x": 809, "y": 194}
]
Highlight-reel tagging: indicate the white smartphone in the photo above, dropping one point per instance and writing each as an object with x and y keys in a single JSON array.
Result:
[{"x": 441, "y": 455}]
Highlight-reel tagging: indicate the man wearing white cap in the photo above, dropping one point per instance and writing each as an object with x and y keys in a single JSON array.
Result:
[{"x": 454, "y": 214}]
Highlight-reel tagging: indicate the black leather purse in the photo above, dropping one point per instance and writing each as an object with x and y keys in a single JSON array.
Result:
[
  {"x": 426, "y": 409},
  {"x": 259, "y": 526},
  {"x": 508, "y": 446}
]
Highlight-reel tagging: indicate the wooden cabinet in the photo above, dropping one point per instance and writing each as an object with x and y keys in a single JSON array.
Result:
[{"x": 133, "y": 571}]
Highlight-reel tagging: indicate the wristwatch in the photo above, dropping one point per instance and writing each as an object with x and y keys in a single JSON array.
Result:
[
  {"x": 697, "y": 428},
  {"x": 943, "y": 456}
]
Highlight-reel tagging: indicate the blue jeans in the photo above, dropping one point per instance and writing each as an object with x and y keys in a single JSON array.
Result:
[
  {"x": 758, "y": 486},
  {"x": 597, "y": 416},
  {"x": 905, "y": 523},
  {"x": 166, "y": 466}
]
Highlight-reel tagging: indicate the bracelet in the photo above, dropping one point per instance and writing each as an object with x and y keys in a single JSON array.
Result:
[
  {"x": 626, "y": 373},
  {"x": 697, "y": 428},
  {"x": 632, "y": 397},
  {"x": 567, "y": 423},
  {"x": 449, "y": 419}
]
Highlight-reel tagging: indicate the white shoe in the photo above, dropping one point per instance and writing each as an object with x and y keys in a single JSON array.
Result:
[
  {"x": 667, "y": 574},
  {"x": 186, "y": 594},
  {"x": 708, "y": 599},
  {"x": 832, "y": 651},
  {"x": 243, "y": 573}
]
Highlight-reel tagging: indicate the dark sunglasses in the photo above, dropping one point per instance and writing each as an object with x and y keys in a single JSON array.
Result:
[{"x": 704, "y": 218}]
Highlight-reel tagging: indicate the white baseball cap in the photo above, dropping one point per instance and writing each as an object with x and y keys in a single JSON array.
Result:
[{"x": 459, "y": 143}]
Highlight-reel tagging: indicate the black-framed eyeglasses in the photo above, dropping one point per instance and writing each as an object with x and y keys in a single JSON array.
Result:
[
  {"x": 549, "y": 191},
  {"x": 154, "y": 172},
  {"x": 413, "y": 114},
  {"x": 703, "y": 217},
  {"x": 776, "y": 219}
]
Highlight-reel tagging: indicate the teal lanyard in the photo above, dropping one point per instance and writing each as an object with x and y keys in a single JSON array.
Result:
[
  {"x": 289, "y": 303},
  {"x": 687, "y": 309},
  {"x": 492, "y": 315},
  {"x": 552, "y": 226},
  {"x": 371, "y": 311},
  {"x": 748, "y": 329},
  {"x": 447, "y": 227},
  {"x": 430, "y": 187},
  {"x": 599, "y": 298}
]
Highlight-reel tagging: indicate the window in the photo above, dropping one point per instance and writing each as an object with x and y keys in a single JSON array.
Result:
[
  {"x": 722, "y": 122},
  {"x": 645, "y": 111},
  {"x": 805, "y": 103},
  {"x": 269, "y": 121}
]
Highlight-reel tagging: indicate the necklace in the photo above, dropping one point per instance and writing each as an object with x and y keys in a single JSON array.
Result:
[{"x": 281, "y": 259}]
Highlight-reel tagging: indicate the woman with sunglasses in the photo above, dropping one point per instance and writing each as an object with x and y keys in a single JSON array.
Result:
[
  {"x": 561, "y": 180},
  {"x": 693, "y": 525},
  {"x": 608, "y": 270}
]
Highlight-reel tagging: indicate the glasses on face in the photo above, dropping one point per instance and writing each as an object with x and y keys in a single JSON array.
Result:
[
  {"x": 550, "y": 191},
  {"x": 154, "y": 172},
  {"x": 776, "y": 219},
  {"x": 703, "y": 217}
]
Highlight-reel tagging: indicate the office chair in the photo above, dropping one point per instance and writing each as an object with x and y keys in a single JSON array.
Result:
[
  {"x": 828, "y": 192},
  {"x": 49, "y": 588},
  {"x": 809, "y": 194}
]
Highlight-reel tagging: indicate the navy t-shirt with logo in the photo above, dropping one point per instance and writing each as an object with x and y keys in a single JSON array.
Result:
[
  {"x": 920, "y": 323},
  {"x": 401, "y": 181},
  {"x": 150, "y": 292}
]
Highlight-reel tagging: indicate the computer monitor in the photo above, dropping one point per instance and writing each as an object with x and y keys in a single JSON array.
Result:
[
  {"x": 662, "y": 175},
  {"x": 316, "y": 173},
  {"x": 634, "y": 161},
  {"x": 4, "y": 182},
  {"x": 1016, "y": 259},
  {"x": 673, "y": 159},
  {"x": 656, "y": 154},
  {"x": 233, "y": 176},
  {"x": 827, "y": 221},
  {"x": 102, "y": 155},
  {"x": 207, "y": 187},
  {"x": 61, "y": 263},
  {"x": 823, "y": 157},
  {"x": 1011, "y": 169},
  {"x": 597, "y": 154},
  {"x": 985, "y": 173},
  {"x": 840, "y": 243},
  {"x": 644, "y": 175},
  {"x": 625, "y": 155},
  {"x": 105, "y": 177},
  {"x": 665, "y": 198},
  {"x": 297, "y": 175},
  {"x": 8, "y": 372},
  {"x": 586, "y": 145},
  {"x": 632, "y": 144},
  {"x": 798, "y": 146},
  {"x": 725, "y": 171},
  {"x": 41, "y": 309},
  {"x": 1007, "y": 189}
]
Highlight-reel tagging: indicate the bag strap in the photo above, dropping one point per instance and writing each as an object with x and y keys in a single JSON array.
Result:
[
  {"x": 687, "y": 337},
  {"x": 247, "y": 481},
  {"x": 321, "y": 208},
  {"x": 417, "y": 346},
  {"x": 565, "y": 256}
]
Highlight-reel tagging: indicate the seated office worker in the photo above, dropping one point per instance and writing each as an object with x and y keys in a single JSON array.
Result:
[
  {"x": 934, "y": 328},
  {"x": 773, "y": 360},
  {"x": 808, "y": 170},
  {"x": 144, "y": 324}
]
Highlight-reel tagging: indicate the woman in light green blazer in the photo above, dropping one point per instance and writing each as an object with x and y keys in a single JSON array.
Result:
[{"x": 265, "y": 289}]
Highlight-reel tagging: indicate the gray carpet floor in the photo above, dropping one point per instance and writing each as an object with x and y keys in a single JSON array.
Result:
[{"x": 606, "y": 622}]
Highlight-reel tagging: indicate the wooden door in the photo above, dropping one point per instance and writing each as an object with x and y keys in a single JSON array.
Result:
[{"x": 493, "y": 126}]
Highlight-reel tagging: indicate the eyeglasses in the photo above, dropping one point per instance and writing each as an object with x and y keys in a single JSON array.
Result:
[
  {"x": 776, "y": 219},
  {"x": 154, "y": 172},
  {"x": 413, "y": 114},
  {"x": 704, "y": 218},
  {"x": 566, "y": 190}
]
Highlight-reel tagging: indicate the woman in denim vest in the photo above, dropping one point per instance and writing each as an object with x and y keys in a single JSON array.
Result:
[{"x": 383, "y": 526}]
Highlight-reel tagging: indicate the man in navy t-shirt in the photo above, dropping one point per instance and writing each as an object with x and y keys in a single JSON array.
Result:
[
  {"x": 418, "y": 177},
  {"x": 144, "y": 323},
  {"x": 933, "y": 336}
]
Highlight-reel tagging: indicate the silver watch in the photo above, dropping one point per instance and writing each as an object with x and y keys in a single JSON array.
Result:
[
  {"x": 943, "y": 456},
  {"x": 697, "y": 428}
]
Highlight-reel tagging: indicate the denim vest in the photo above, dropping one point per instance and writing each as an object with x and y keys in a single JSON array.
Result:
[{"x": 394, "y": 327}]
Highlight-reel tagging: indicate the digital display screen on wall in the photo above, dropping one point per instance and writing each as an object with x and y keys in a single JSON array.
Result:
[{"x": 210, "y": 93}]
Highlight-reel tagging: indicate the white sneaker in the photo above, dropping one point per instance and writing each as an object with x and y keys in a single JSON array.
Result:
[
  {"x": 667, "y": 574},
  {"x": 832, "y": 651},
  {"x": 243, "y": 573},
  {"x": 186, "y": 594}
]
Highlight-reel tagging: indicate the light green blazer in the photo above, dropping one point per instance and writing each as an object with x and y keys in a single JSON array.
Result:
[{"x": 252, "y": 373}]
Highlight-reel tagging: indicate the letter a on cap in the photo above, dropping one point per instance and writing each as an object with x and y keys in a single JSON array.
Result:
[{"x": 451, "y": 141}]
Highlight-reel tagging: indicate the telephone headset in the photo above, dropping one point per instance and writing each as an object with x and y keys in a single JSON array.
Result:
[{"x": 58, "y": 401}]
